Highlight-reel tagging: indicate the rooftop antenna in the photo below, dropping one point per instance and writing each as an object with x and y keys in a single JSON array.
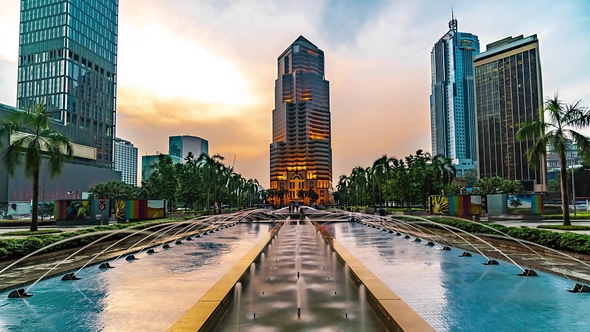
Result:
[
  {"x": 453, "y": 22},
  {"x": 234, "y": 163}
]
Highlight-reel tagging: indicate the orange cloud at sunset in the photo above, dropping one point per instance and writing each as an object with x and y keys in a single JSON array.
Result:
[{"x": 207, "y": 68}]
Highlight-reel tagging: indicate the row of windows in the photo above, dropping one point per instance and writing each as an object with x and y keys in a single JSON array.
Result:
[
  {"x": 44, "y": 23},
  {"x": 35, "y": 10},
  {"x": 41, "y": 35}
]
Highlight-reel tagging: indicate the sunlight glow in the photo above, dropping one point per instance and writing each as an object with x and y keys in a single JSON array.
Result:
[{"x": 167, "y": 66}]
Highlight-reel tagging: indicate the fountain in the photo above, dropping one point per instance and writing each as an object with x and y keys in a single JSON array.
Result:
[{"x": 309, "y": 287}]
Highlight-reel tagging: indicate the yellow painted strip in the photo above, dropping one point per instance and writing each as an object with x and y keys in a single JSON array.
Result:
[
  {"x": 395, "y": 310},
  {"x": 196, "y": 318}
]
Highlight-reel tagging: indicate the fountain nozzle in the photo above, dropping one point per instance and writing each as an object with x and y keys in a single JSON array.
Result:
[
  {"x": 465, "y": 254},
  {"x": 70, "y": 276},
  {"x": 130, "y": 258},
  {"x": 578, "y": 288},
  {"x": 528, "y": 273},
  {"x": 491, "y": 262},
  {"x": 105, "y": 266},
  {"x": 19, "y": 293}
]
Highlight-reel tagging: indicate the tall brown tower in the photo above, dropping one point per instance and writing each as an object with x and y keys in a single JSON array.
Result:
[{"x": 301, "y": 149}]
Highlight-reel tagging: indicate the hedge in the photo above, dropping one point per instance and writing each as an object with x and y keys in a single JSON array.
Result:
[
  {"x": 16, "y": 248},
  {"x": 573, "y": 242}
]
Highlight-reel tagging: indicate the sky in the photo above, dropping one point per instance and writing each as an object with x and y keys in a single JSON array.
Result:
[{"x": 207, "y": 67}]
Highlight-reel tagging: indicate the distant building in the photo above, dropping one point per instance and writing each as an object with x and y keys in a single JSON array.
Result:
[
  {"x": 452, "y": 98},
  {"x": 68, "y": 62},
  {"x": 180, "y": 146},
  {"x": 571, "y": 157},
  {"x": 508, "y": 89},
  {"x": 126, "y": 161},
  {"x": 301, "y": 151}
]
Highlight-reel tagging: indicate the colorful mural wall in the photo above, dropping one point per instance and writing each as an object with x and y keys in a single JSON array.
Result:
[
  {"x": 140, "y": 209},
  {"x": 525, "y": 204},
  {"x": 455, "y": 205},
  {"x": 72, "y": 209}
]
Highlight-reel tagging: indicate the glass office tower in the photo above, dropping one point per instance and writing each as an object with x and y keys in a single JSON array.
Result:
[
  {"x": 68, "y": 61},
  {"x": 509, "y": 92},
  {"x": 452, "y": 99},
  {"x": 301, "y": 150}
]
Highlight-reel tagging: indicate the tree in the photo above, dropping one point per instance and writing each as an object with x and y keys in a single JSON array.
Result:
[
  {"x": 470, "y": 177},
  {"x": 34, "y": 143},
  {"x": 497, "y": 185},
  {"x": 164, "y": 179},
  {"x": 515, "y": 202},
  {"x": 554, "y": 185},
  {"x": 114, "y": 190},
  {"x": 444, "y": 169},
  {"x": 563, "y": 121},
  {"x": 188, "y": 181}
]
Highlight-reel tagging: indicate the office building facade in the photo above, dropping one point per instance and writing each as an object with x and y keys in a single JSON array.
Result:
[
  {"x": 180, "y": 146},
  {"x": 452, "y": 98},
  {"x": 126, "y": 161},
  {"x": 74, "y": 178},
  {"x": 68, "y": 61},
  {"x": 301, "y": 150},
  {"x": 508, "y": 88}
]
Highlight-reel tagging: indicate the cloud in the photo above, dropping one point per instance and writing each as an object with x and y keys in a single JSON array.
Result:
[{"x": 343, "y": 20}]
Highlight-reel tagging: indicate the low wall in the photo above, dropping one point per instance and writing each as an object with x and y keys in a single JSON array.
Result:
[
  {"x": 394, "y": 313},
  {"x": 208, "y": 311}
]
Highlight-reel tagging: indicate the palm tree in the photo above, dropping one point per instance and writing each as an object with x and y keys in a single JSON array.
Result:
[
  {"x": 563, "y": 122},
  {"x": 444, "y": 169},
  {"x": 35, "y": 143},
  {"x": 380, "y": 170}
]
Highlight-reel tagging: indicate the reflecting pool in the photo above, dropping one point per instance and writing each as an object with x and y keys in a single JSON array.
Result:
[
  {"x": 148, "y": 294},
  {"x": 459, "y": 293}
]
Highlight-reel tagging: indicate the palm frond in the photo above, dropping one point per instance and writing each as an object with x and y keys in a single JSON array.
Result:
[
  {"x": 555, "y": 110},
  {"x": 537, "y": 151},
  {"x": 531, "y": 130}
]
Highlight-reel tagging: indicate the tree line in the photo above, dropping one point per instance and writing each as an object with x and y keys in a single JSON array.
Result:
[
  {"x": 198, "y": 183},
  {"x": 410, "y": 180}
]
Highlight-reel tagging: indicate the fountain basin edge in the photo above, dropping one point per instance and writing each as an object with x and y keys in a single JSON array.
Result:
[
  {"x": 394, "y": 313},
  {"x": 210, "y": 308}
]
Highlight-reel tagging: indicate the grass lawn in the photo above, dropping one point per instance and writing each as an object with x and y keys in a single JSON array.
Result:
[
  {"x": 566, "y": 228},
  {"x": 579, "y": 215}
]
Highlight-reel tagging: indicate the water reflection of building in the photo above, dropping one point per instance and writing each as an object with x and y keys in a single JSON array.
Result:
[
  {"x": 508, "y": 92},
  {"x": 67, "y": 60},
  {"x": 301, "y": 153},
  {"x": 452, "y": 99}
]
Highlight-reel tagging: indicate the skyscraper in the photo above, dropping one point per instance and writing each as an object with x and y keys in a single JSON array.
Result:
[
  {"x": 509, "y": 92},
  {"x": 452, "y": 106},
  {"x": 126, "y": 161},
  {"x": 180, "y": 146},
  {"x": 301, "y": 150},
  {"x": 68, "y": 53}
]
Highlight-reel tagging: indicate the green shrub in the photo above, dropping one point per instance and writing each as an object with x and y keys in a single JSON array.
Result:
[
  {"x": 29, "y": 233},
  {"x": 16, "y": 248},
  {"x": 579, "y": 243},
  {"x": 566, "y": 228}
]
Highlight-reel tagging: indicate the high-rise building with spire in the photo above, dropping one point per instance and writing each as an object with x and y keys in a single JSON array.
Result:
[
  {"x": 301, "y": 150},
  {"x": 452, "y": 98}
]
